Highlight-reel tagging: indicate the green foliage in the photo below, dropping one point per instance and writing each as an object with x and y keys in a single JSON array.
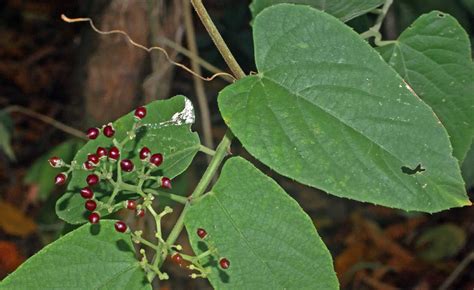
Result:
[
  {"x": 468, "y": 168},
  {"x": 6, "y": 128},
  {"x": 339, "y": 119},
  {"x": 91, "y": 257},
  {"x": 342, "y": 9},
  {"x": 173, "y": 139},
  {"x": 440, "y": 242},
  {"x": 434, "y": 57},
  {"x": 42, "y": 174},
  {"x": 270, "y": 242}
]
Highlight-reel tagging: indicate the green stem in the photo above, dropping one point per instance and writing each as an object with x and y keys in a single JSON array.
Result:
[
  {"x": 374, "y": 31},
  {"x": 207, "y": 150},
  {"x": 217, "y": 39},
  {"x": 172, "y": 196}
]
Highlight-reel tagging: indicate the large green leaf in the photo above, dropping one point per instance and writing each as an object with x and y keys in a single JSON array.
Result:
[
  {"x": 91, "y": 257},
  {"x": 434, "y": 58},
  {"x": 342, "y": 9},
  {"x": 326, "y": 110},
  {"x": 167, "y": 130},
  {"x": 42, "y": 174},
  {"x": 268, "y": 239}
]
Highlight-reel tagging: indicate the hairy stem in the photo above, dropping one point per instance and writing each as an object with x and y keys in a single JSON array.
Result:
[{"x": 217, "y": 39}]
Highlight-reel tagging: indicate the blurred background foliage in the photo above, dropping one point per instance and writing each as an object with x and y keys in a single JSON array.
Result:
[{"x": 72, "y": 75}]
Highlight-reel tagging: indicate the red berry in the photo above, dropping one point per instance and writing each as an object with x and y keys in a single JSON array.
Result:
[
  {"x": 92, "y": 179},
  {"x": 156, "y": 159},
  {"x": 60, "y": 179},
  {"x": 166, "y": 182},
  {"x": 114, "y": 153},
  {"x": 108, "y": 130},
  {"x": 101, "y": 152},
  {"x": 120, "y": 227},
  {"x": 92, "y": 133},
  {"x": 87, "y": 193},
  {"x": 93, "y": 158},
  {"x": 140, "y": 213},
  {"x": 144, "y": 153},
  {"x": 177, "y": 258},
  {"x": 90, "y": 205},
  {"x": 140, "y": 112},
  {"x": 88, "y": 165},
  {"x": 131, "y": 204},
  {"x": 56, "y": 162},
  {"x": 224, "y": 263},
  {"x": 201, "y": 233},
  {"x": 126, "y": 165},
  {"x": 94, "y": 218}
]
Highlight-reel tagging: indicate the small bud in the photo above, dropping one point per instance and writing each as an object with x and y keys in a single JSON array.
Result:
[
  {"x": 56, "y": 162},
  {"x": 166, "y": 182}
]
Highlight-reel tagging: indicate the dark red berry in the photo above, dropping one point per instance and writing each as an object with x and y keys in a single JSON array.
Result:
[
  {"x": 60, "y": 179},
  {"x": 88, "y": 165},
  {"x": 120, "y": 227},
  {"x": 131, "y": 204},
  {"x": 126, "y": 165},
  {"x": 90, "y": 205},
  {"x": 166, "y": 182},
  {"x": 108, "y": 130},
  {"x": 92, "y": 133},
  {"x": 224, "y": 263},
  {"x": 201, "y": 233},
  {"x": 140, "y": 213},
  {"x": 177, "y": 258},
  {"x": 144, "y": 153},
  {"x": 87, "y": 193},
  {"x": 94, "y": 218},
  {"x": 55, "y": 162},
  {"x": 114, "y": 153},
  {"x": 140, "y": 112},
  {"x": 101, "y": 152},
  {"x": 93, "y": 158},
  {"x": 92, "y": 179},
  {"x": 156, "y": 159}
]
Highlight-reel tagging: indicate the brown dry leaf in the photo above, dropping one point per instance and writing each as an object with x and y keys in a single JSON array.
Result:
[
  {"x": 11, "y": 258},
  {"x": 14, "y": 222},
  {"x": 349, "y": 257}
]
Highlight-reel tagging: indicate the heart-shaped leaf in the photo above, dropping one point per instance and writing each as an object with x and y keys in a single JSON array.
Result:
[
  {"x": 167, "y": 129},
  {"x": 326, "y": 110},
  {"x": 434, "y": 57},
  {"x": 91, "y": 257},
  {"x": 342, "y": 9},
  {"x": 268, "y": 239}
]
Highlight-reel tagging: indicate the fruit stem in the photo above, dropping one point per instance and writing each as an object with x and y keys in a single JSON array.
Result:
[{"x": 171, "y": 196}]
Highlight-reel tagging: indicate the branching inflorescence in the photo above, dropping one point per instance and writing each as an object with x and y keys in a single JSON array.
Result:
[{"x": 111, "y": 166}]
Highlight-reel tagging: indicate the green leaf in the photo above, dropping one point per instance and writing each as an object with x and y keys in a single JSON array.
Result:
[
  {"x": 345, "y": 10},
  {"x": 174, "y": 139},
  {"x": 327, "y": 111},
  {"x": 6, "y": 128},
  {"x": 91, "y": 257},
  {"x": 440, "y": 242},
  {"x": 434, "y": 57},
  {"x": 268, "y": 239},
  {"x": 467, "y": 168},
  {"x": 42, "y": 174}
]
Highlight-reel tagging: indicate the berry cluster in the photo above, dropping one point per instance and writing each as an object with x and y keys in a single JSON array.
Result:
[
  {"x": 193, "y": 263},
  {"x": 108, "y": 165}
]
